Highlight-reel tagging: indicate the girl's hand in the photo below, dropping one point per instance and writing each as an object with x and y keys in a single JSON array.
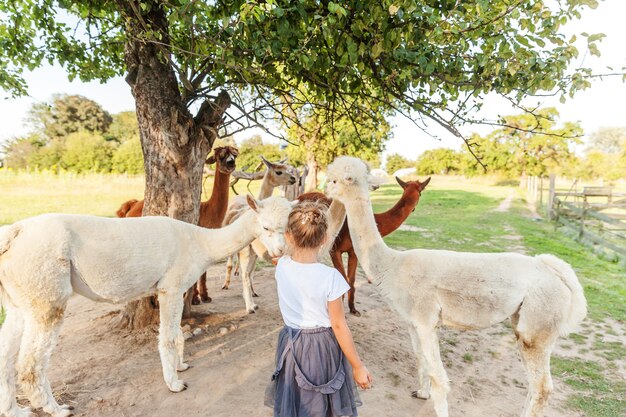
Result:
[{"x": 362, "y": 377}]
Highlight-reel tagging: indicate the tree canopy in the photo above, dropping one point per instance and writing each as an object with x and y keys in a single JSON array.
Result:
[{"x": 431, "y": 56}]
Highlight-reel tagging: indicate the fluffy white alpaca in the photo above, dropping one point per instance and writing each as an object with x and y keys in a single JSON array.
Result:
[
  {"x": 45, "y": 259},
  {"x": 540, "y": 294}
]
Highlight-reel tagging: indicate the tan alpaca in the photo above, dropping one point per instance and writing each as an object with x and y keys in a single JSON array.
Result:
[
  {"x": 540, "y": 294},
  {"x": 45, "y": 259},
  {"x": 277, "y": 174}
]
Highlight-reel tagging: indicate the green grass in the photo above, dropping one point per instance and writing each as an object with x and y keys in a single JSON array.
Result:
[
  {"x": 2, "y": 315},
  {"x": 598, "y": 396}
]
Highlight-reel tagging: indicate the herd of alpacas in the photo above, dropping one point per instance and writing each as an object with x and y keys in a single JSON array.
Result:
[{"x": 46, "y": 259}]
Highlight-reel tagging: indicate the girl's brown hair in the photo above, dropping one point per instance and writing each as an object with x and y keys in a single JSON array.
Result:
[{"x": 308, "y": 224}]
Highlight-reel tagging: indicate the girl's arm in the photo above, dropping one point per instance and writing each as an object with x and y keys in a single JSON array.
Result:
[{"x": 342, "y": 332}]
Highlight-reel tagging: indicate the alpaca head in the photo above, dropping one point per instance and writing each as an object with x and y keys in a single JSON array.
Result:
[
  {"x": 272, "y": 215},
  {"x": 412, "y": 190},
  {"x": 225, "y": 157},
  {"x": 348, "y": 178},
  {"x": 279, "y": 173}
]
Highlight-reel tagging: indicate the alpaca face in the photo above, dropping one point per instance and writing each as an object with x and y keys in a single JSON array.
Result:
[
  {"x": 225, "y": 156},
  {"x": 279, "y": 173},
  {"x": 347, "y": 178},
  {"x": 273, "y": 213}
]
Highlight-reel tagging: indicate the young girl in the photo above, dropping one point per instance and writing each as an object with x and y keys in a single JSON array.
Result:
[{"x": 316, "y": 361}]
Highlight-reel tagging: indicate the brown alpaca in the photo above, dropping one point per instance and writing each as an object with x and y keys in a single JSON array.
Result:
[
  {"x": 386, "y": 223},
  {"x": 212, "y": 211}
]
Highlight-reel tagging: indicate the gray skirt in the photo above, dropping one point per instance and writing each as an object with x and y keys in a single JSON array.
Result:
[{"x": 312, "y": 376}]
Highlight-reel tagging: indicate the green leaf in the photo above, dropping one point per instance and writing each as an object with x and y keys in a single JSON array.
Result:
[{"x": 595, "y": 37}]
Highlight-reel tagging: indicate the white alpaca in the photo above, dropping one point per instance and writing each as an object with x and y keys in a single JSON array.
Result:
[
  {"x": 540, "y": 294},
  {"x": 277, "y": 174},
  {"x": 45, "y": 259}
]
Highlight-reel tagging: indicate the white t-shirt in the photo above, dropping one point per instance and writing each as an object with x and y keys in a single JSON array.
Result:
[{"x": 304, "y": 291}]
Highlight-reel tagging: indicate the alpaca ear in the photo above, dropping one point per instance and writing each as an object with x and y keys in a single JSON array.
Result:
[
  {"x": 233, "y": 151},
  {"x": 211, "y": 159},
  {"x": 402, "y": 183},
  {"x": 267, "y": 163},
  {"x": 254, "y": 205},
  {"x": 373, "y": 183},
  {"x": 424, "y": 184}
]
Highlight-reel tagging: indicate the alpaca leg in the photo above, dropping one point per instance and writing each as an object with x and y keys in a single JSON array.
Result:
[
  {"x": 10, "y": 339},
  {"x": 203, "y": 290},
  {"x": 537, "y": 362},
  {"x": 423, "y": 380},
  {"x": 180, "y": 349},
  {"x": 229, "y": 272},
  {"x": 352, "y": 264},
  {"x": 170, "y": 346},
  {"x": 427, "y": 335},
  {"x": 338, "y": 263},
  {"x": 195, "y": 294},
  {"x": 246, "y": 260},
  {"x": 38, "y": 341},
  {"x": 252, "y": 265}
]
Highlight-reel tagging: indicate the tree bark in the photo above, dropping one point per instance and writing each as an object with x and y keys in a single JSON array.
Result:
[{"x": 175, "y": 144}]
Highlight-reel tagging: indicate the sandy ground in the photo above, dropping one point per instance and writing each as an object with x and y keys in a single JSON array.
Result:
[{"x": 107, "y": 372}]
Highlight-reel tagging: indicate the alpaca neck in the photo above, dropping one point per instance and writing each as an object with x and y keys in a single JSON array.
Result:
[
  {"x": 213, "y": 211},
  {"x": 266, "y": 187},
  {"x": 391, "y": 219},
  {"x": 223, "y": 242},
  {"x": 368, "y": 244}
]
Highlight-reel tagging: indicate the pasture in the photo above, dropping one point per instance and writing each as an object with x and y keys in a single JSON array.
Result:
[{"x": 484, "y": 367}]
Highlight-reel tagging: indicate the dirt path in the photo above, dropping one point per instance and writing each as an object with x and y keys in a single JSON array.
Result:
[
  {"x": 505, "y": 204},
  {"x": 103, "y": 372}
]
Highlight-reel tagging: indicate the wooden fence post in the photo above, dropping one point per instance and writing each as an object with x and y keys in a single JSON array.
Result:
[
  {"x": 551, "y": 197},
  {"x": 581, "y": 231}
]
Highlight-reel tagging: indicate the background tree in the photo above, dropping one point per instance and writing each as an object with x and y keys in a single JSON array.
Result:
[
  {"x": 128, "y": 158},
  {"x": 123, "y": 127},
  {"x": 604, "y": 155},
  {"x": 315, "y": 143},
  {"x": 530, "y": 144},
  {"x": 18, "y": 151},
  {"x": 608, "y": 140},
  {"x": 67, "y": 135},
  {"x": 251, "y": 149},
  {"x": 440, "y": 161},
  {"x": 87, "y": 152},
  {"x": 396, "y": 161},
  {"x": 429, "y": 57},
  {"x": 68, "y": 114}
]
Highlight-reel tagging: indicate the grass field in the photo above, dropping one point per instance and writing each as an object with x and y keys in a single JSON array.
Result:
[
  {"x": 25, "y": 194},
  {"x": 453, "y": 213}
]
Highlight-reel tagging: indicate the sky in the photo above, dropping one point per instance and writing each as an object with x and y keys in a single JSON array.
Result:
[{"x": 604, "y": 104}]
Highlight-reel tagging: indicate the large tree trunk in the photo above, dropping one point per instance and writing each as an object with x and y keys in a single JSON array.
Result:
[{"x": 175, "y": 144}]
